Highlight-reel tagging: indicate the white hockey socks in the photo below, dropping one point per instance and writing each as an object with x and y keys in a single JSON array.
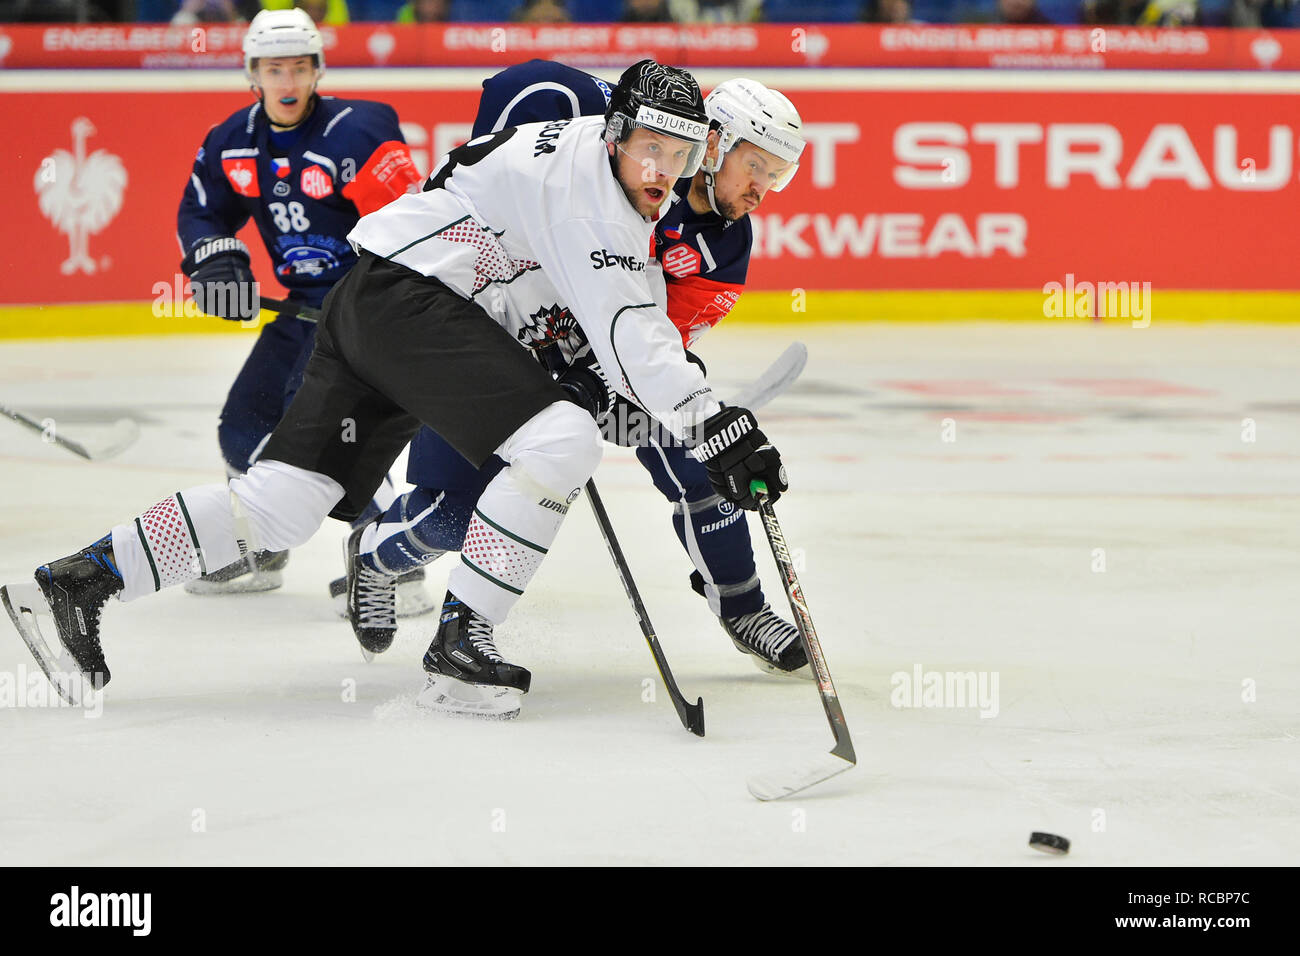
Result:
[
  {"x": 193, "y": 532},
  {"x": 551, "y": 456}
]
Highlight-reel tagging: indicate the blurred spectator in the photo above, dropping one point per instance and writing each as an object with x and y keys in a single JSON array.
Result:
[
  {"x": 59, "y": 11},
  {"x": 1170, "y": 13},
  {"x": 211, "y": 11},
  {"x": 1259, "y": 13},
  {"x": 646, "y": 11},
  {"x": 542, "y": 11},
  {"x": 1020, "y": 12},
  {"x": 1111, "y": 12},
  {"x": 1142, "y": 13},
  {"x": 331, "y": 12},
  {"x": 425, "y": 11},
  {"x": 888, "y": 11},
  {"x": 716, "y": 11}
]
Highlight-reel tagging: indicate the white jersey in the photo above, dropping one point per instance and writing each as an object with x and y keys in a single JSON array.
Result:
[{"x": 531, "y": 223}]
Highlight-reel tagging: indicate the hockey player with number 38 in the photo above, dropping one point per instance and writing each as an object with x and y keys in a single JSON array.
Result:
[
  {"x": 702, "y": 246},
  {"x": 304, "y": 168},
  {"x": 424, "y": 330}
]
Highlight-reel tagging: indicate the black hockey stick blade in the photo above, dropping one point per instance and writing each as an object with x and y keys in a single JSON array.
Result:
[
  {"x": 782, "y": 783},
  {"x": 285, "y": 307},
  {"x": 691, "y": 715}
]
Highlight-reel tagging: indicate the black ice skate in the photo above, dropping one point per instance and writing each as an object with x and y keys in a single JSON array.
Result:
[
  {"x": 72, "y": 591},
  {"x": 773, "y": 642},
  {"x": 466, "y": 673},
  {"x": 371, "y": 598},
  {"x": 412, "y": 598},
  {"x": 239, "y": 578}
]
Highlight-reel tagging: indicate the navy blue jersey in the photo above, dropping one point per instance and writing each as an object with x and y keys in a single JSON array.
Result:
[
  {"x": 704, "y": 258},
  {"x": 537, "y": 91},
  {"x": 304, "y": 188}
]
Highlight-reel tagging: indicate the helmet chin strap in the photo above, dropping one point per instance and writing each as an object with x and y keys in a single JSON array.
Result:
[{"x": 709, "y": 174}]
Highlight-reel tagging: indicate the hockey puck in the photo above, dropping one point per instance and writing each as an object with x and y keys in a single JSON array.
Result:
[{"x": 1049, "y": 843}]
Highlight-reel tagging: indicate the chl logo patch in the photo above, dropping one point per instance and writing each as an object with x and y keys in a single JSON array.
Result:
[
  {"x": 242, "y": 174},
  {"x": 316, "y": 183},
  {"x": 681, "y": 261}
]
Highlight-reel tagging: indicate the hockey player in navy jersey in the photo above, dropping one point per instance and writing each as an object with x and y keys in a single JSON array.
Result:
[
  {"x": 702, "y": 244},
  {"x": 433, "y": 325},
  {"x": 304, "y": 168}
]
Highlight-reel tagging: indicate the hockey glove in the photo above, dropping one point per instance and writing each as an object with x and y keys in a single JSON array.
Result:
[
  {"x": 221, "y": 278},
  {"x": 734, "y": 453},
  {"x": 585, "y": 385}
]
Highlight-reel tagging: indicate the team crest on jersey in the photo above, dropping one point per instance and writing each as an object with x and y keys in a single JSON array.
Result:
[
  {"x": 551, "y": 325},
  {"x": 306, "y": 261},
  {"x": 242, "y": 173},
  {"x": 316, "y": 183},
  {"x": 681, "y": 261}
]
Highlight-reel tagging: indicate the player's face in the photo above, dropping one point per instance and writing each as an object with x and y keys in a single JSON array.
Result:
[
  {"x": 286, "y": 83},
  {"x": 648, "y": 165},
  {"x": 748, "y": 172}
]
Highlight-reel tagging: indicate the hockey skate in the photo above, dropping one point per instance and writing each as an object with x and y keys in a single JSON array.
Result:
[
  {"x": 466, "y": 673},
  {"x": 71, "y": 591},
  {"x": 773, "y": 643},
  {"x": 238, "y": 578},
  {"x": 412, "y": 598},
  {"x": 371, "y": 600}
]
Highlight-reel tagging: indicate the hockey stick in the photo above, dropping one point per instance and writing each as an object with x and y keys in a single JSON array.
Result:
[
  {"x": 285, "y": 307},
  {"x": 782, "y": 783},
  {"x": 125, "y": 432},
  {"x": 692, "y": 715},
  {"x": 779, "y": 376}
]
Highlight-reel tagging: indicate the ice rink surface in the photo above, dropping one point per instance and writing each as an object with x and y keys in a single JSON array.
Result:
[{"x": 1102, "y": 523}]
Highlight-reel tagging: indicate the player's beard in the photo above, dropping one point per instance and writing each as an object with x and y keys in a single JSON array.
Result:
[
  {"x": 640, "y": 202},
  {"x": 737, "y": 208}
]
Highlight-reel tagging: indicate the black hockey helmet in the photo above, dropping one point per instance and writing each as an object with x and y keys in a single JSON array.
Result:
[{"x": 662, "y": 99}]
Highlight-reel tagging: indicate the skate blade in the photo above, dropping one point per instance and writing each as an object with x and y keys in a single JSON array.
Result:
[
  {"x": 244, "y": 584},
  {"x": 24, "y": 602},
  {"x": 802, "y": 673},
  {"x": 448, "y": 695}
]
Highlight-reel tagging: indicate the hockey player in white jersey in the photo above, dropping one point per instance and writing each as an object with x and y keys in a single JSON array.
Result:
[{"x": 550, "y": 218}]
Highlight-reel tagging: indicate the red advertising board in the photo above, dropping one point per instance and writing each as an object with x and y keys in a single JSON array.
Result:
[
  {"x": 733, "y": 45},
  {"x": 898, "y": 189}
]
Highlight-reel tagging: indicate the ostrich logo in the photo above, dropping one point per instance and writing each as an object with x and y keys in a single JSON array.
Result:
[{"x": 80, "y": 194}]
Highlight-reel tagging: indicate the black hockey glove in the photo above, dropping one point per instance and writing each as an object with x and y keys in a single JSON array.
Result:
[
  {"x": 735, "y": 453},
  {"x": 221, "y": 277},
  {"x": 585, "y": 385}
]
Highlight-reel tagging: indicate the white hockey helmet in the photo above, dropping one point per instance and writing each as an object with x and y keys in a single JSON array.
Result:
[
  {"x": 283, "y": 33},
  {"x": 748, "y": 110}
]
